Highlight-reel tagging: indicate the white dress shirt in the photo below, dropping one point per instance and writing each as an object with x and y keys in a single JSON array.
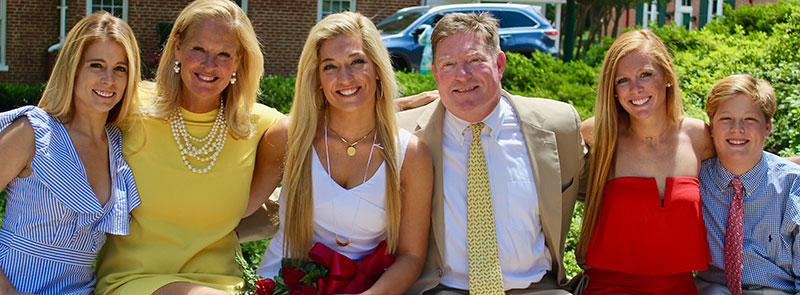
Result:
[{"x": 524, "y": 258}]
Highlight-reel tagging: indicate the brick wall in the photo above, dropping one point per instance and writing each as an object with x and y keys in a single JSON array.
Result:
[
  {"x": 144, "y": 17},
  {"x": 32, "y": 26},
  {"x": 281, "y": 25}
]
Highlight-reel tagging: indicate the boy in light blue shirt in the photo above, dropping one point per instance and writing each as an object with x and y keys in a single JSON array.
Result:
[{"x": 751, "y": 198}]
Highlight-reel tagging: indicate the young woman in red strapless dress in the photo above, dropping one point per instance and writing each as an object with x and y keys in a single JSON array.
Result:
[{"x": 643, "y": 230}]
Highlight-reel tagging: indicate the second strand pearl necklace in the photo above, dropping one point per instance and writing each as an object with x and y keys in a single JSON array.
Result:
[{"x": 211, "y": 144}]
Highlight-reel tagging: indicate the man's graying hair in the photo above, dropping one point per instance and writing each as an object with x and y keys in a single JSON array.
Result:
[{"x": 483, "y": 25}]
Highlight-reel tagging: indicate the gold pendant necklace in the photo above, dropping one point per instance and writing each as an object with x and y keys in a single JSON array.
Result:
[{"x": 351, "y": 147}]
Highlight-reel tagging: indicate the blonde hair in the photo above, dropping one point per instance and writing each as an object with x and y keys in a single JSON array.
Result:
[
  {"x": 608, "y": 113},
  {"x": 238, "y": 98},
  {"x": 483, "y": 25},
  {"x": 309, "y": 104},
  {"x": 59, "y": 93},
  {"x": 757, "y": 90}
]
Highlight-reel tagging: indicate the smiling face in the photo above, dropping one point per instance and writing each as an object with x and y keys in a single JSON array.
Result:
[
  {"x": 640, "y": 85},
  {"x": 739, "y": 129},
  {"x": 468, "y": 76},
  {"x": 208, "y": 57},
  {"x": 101, "y": 78},
  {"x": 346, "y": 74}
]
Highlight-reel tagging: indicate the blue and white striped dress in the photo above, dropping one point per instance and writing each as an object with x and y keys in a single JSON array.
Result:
[{"x": 54, "y": 225}]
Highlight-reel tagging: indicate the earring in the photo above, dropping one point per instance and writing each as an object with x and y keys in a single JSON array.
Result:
[
  {"x": 177, "y": 67},
  {"x": 669, "y": 84},
  {"x": 379, "y": 93},
  {"x": 233, "y": 78}
]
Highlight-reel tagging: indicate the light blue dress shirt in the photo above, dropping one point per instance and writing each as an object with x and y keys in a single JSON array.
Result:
[{"x": 771, "y": 245}]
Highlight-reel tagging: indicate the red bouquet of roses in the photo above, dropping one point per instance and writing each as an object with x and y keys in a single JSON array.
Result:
[{"x": 328, "y": 272}]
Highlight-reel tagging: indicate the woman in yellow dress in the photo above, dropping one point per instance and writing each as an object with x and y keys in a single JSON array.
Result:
[{"x": 192, "y": 153}]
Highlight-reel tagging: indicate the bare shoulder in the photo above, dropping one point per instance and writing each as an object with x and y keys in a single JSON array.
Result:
[
  {"x": 700, "y": 135},
  {"x": 417, "y": 155},
  {"x": 274, "y": 141},
  {"x": 17, "y": 141},
  {"x": 19, "y": 133},
  {"x": 587, "y": 130},
  {"x": 416, "y": 172},
  {"x": 279, "y": 130}
]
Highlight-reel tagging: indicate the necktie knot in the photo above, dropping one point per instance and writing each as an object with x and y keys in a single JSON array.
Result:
[
  {"x": 737, "y": 186},
  {"x": 476, "y": 129}
]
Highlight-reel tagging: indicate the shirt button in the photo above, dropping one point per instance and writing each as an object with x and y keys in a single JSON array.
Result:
[{"x": 439, "y": 272}]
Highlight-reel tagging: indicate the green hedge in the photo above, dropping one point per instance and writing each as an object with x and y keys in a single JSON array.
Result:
[{"x": 14, "y": 96}]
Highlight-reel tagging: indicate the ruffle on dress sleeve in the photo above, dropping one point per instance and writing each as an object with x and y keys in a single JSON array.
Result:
[{"x": 125, "y": 196}]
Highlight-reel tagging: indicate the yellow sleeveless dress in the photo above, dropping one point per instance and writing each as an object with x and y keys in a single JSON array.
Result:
[{"x": 183, "y": 231}]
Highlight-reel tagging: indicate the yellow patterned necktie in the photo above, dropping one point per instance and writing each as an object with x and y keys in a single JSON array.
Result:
[{"x": 485, "y": 275}]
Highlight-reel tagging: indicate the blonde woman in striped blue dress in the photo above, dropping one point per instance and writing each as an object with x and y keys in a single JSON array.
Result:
[{"x": 62, "y": 164}]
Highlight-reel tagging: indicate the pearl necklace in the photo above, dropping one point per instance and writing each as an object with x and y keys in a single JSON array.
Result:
[{"x": 211, "y": 144}]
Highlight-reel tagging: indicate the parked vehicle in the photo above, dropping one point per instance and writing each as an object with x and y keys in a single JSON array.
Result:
[{"x": 521, "y": 28}]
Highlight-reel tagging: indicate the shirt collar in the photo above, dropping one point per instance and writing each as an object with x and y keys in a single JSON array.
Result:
[
  {"x": 751, "y": 179},
  {"x": 457, "y": 127}
]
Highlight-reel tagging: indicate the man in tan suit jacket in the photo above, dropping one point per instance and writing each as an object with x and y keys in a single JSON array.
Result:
[{"x": 468, "y": 67}]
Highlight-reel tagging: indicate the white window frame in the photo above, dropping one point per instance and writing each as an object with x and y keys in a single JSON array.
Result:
[
  {"x": 124, "y": 9},
  {"x": 243, "y": 6},
  {"x": 3, "y": 62},
  {"x": 319, "y": 8},
  {"x": 680, "y": 10},
  {"x": 649, "y": 13},
  {"x": 711, "y": 6}
]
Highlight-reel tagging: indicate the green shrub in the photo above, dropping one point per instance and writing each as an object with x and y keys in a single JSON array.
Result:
[
  {"x": 413, "y": 83},
  {"x": 13, "y": 96},
  {"x": 277, "y": 92},
  {"x": 757, "y": 18},
  {"x": 249, "y": 259},
  {"x": 541, "y": 75}
]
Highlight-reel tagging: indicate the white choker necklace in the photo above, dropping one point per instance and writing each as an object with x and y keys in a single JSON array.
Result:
[{"x": 211, "y": 144}]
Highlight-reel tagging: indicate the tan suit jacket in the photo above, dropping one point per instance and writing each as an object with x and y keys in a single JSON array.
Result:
[{"x": 558, "y": 156}]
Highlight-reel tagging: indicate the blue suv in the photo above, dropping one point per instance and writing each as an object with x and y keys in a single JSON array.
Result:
[{"x": 521, "y": 28}]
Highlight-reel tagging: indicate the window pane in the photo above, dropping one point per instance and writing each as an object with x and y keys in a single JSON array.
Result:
[
  {"x": 511, "y": 19},
  {"x": 114, "y": 7},
  {"x": 334, "y": 6}
]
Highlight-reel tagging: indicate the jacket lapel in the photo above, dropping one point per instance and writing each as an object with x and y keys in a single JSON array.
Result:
[{"x": 429, "y": 130}]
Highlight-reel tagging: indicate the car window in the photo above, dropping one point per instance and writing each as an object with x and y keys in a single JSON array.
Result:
[
  {"x": 514, "y": 19},
  {"x": 399, "y": 21}
]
